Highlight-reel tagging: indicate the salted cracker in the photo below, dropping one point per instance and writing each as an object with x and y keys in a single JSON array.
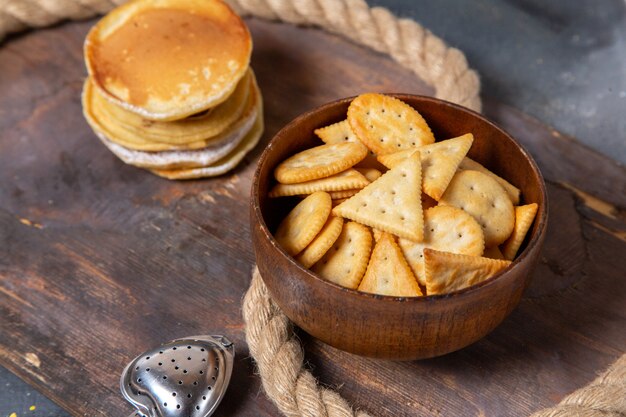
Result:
[
  {"x": 336, "y": 195},
  {"x": 392, "y": 203},
  {"x": 439, "y": 162},
  {"x": 446, "y": 272},
  {"x": 372, "y": 174},
  {"x": 322, "y": 242},
  {"x": 304, "y": 222},
  {"x": 336, "y": 133},
  {"x": 345, "y": 262},
  {"x": 512, "y": 191},
  {"x": 482, "y": 196},
  {"x": 524, "y": 216},
  {"x": 319, "y": 162},
  {"x": 347, "y": 180},
  {"x": 446, "y": 228},
  {"x": 390, "y": 160},
  {"x": 388, "y": 272},
  {"x": 385, "y": 124}
]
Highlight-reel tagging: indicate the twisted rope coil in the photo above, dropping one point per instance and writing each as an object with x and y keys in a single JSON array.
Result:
[{"x": 269, "y": 334}]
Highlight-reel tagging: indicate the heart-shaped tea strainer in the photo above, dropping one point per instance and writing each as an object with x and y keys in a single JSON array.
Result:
[{"x": 183, "y": 378}]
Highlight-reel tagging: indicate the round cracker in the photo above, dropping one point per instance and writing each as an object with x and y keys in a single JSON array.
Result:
[
  {"x": 448, "y": 229},
  {"x": 304, "y": 222},
  {"x": 346, "y": 261},
  {"x": 319, "y": 162},
  {"x": 385, "y": 124},
  {"x": 482, "y": 197},
  {"x": 322, "y": 242}
]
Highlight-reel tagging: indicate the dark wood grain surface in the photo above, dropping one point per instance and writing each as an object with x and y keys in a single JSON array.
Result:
[{"x": 100, "y": 261}]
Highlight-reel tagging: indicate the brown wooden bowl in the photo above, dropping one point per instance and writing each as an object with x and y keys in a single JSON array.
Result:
[{"x": 402, "y": 328}]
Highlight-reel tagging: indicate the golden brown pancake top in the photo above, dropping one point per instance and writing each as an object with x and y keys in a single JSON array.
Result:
[{"x": 163, "y": 58}]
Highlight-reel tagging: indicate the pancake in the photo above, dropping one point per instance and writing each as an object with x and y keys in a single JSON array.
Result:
[
  {"x": 135, "y": 129},
  {"x": 108, "y": 127},
  {"x": 189, "y": 159},
  {"x": 168, "y": 59},
  {"x": 222, "y": 166}
]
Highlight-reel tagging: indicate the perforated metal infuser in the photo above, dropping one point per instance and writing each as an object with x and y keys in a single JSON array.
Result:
[{"x": 183, "y": 378}]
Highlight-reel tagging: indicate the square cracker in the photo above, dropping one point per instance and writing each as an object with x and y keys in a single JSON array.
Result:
[
  {"x": 346, "y": 260},
  {"x": 524, "y": 216},
  {"x": 439, "y": 162},
  {"x": 446, "y": 272},
  {"x": 388, "y": 272},
  {"x": 385, "y": 124},
  {"x": 347, "y": 180},
  {"x": 392, "y": 203}
]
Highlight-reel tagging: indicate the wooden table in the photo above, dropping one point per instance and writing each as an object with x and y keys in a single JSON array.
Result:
[{"x": 100, "y": 261}]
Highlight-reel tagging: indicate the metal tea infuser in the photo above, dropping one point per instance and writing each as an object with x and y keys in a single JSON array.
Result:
[{"x": 183, "y": 378}]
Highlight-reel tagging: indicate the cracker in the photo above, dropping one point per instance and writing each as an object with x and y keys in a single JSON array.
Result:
[
  {"x": 390, "y": 160},
  {"x": 524, "y": 216},
  {"x": 493, "y": 253},
  {"x": 388, "y": 272},
  {"x": 336, "y": 133},
  {"x": 446, "y": 272},
  {"x": 336, "y": 195},
  {"x": 319, "y": 162},
  {"x": 346, "y": 261},
  {"x": 322, "y": 242},
  {"x": 446, "y": 228},
  {"x": 392, "y": 203},
  {"x": 385, "y": 124},
  {"x": 346, "y": 180},
  {"x": 341, "y": 132},
  {"x": 439, "y": 162},
  {"x": 304, "y": 222},
  {"x": 482, "y": 196},
  {"x": 511, "y": 190},
  {"x": 372, "y": 174}
]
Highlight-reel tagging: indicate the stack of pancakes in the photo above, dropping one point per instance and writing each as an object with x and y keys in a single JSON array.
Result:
[{"x": 170, "y": 88}]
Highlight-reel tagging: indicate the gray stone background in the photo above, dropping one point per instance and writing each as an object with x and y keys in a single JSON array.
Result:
[{"x": 562, "y": 61}]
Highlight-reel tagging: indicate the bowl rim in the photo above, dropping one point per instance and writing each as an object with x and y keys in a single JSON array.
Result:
[{"x": 542, "y": 213}]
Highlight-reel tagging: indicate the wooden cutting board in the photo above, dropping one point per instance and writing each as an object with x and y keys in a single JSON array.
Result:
[{"x": 99, "y": 260}]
